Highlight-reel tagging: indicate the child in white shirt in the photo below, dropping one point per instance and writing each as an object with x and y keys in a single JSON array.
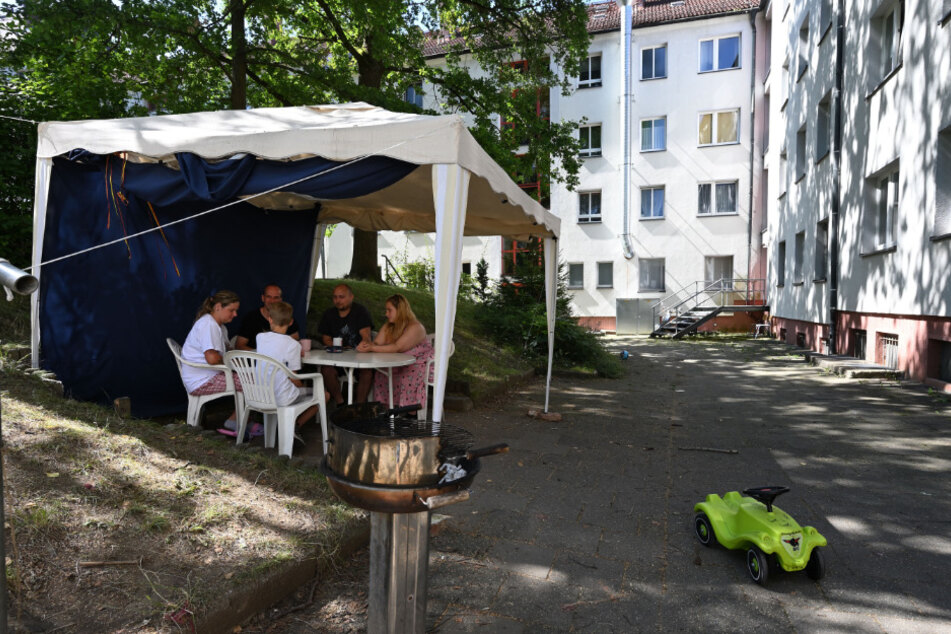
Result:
[{"x": 283, "y": 348}]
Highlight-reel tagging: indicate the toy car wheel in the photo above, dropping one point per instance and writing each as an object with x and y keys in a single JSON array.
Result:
[
  {"x": 757, "y": 564},
  {"x": 704, "y": 530},
  {"x": 816, "y": 568}
]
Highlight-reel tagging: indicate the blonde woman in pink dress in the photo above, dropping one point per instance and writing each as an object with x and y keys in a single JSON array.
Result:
[{"x": 402, "y": 332}]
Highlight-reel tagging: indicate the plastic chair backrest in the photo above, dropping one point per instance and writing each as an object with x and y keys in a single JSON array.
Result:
[
  {"x": 257, "y": 373},
  {"x": 431, "y": 364},
  {"x": 177, "y": 352}
]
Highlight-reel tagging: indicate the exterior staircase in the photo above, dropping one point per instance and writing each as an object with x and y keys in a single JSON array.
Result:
[
  {"x": 683, "y": 312},
  {"x": 687, "y": 323}
]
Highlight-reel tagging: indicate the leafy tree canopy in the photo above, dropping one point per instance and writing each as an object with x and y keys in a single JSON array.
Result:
[{"x": 77, "y": 59}]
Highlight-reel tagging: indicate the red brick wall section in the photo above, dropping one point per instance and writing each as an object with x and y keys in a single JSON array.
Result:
[
  {"x": 814, "y": 335},
  {"x": 919, "y": 341}
]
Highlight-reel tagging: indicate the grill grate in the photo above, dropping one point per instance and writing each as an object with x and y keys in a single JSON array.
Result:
[{"x": 453, "y": 440}]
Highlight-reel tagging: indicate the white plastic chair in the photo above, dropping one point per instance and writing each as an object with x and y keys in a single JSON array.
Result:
[
  {"x": 431, "y": 372},
  {"x": 258, "y": 373},
  {"x": 195, "y": 403}
]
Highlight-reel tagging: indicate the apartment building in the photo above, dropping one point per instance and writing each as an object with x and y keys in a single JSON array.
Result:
[
  {"x": 858, "y": 180},
  {"x": 666, "y": 189}
]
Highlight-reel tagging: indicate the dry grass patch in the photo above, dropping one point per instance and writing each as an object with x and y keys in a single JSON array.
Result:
[{"x": 170, "y": 518}]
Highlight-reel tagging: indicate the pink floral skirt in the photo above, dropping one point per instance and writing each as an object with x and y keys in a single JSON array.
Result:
[{"x": 409, "y": 381}]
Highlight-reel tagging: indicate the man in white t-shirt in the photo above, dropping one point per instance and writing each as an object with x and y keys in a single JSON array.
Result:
[{"x": 281, "y": 347}]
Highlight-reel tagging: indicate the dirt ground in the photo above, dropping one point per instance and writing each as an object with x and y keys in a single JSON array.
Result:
[{"x": 140, "y": 526}]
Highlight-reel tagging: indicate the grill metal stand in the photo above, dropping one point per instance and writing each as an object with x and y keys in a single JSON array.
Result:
[{"x": 399, "y": 559}]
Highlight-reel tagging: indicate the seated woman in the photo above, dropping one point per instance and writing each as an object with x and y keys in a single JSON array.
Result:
[
  {"x": 402, "y": 332},
  {"x": 207, "y": 342}
]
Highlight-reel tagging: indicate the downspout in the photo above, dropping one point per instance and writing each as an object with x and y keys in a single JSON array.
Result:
[
  {"x": 749, "y": 219},
  {"x": 836, "y": 181},
  {"x": 625, "y": 6}
]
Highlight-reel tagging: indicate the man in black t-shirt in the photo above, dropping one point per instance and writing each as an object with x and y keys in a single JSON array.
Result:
[
  {"x": 352, "y": 323},
  {"x": 255, "y": 322}
]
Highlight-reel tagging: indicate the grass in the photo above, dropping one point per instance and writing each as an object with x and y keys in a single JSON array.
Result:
[{"x": 84, "y": 484}]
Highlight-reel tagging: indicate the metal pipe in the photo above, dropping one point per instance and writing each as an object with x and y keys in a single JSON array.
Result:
[
  {"x": 836, "y": 181},
  {"x": 625, "y": 6},
  {"x": 749, "y": 219},
  {"x": 17, "y": 280}
]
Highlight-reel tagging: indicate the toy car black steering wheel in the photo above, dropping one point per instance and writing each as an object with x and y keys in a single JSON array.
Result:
[{"x": 766, "y": 495}]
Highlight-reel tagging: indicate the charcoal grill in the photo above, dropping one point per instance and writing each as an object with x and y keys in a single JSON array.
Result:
[{"x": 390, "y": 466}]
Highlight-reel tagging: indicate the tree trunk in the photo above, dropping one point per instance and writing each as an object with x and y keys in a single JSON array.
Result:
[
  {"x": 364, "y": 266},
  {"x": 239, "y": 57}
]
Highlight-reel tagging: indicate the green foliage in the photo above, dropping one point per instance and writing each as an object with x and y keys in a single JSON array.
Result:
[
  {"x": 80, "y": 59},
  {"x": 518, "y": 318},
  {"x": 482, "y": 289},
  {"x": 420, "y": 275}
]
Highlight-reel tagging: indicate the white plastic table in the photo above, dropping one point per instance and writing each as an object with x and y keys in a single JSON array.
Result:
[{"x": 351, "y": 360}]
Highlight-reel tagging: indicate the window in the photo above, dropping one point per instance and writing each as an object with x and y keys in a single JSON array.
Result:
[
  {"x": 718, "y": 272},
  {"x": 942, "y": 215},
  {"x": 717, "y": 128},
  {"x": 803, "y": 48},
  {"x": 652, "y": 202},
  {"x": 512, "y": 251},
  {"x": 717, "y": 198},
  {"x": 798, "y": 255},
  {"x": 783, "y": 172},
  {"x": 825, "y": 16},
  {"x": 887, "y": 31},
  {"x": 886, "y": 352},
  {"x": 605, "y": 274},
  {"x": 414, "y": 95},
  {"x": 589, "y": 207},
  {"x": 651, "y": 275},
  {"x": 886, "y": 209},
  {"x": 801, "y": 153},
  {"x": 467, "y": 268},
  {"x": 721, "y": 53},
  {"x": 653, "y": 134},
  {"x": 590, "y": 136},
  {"x": 784, "y": 84},
  {"x": 781, "y": 264},
  {"x": 822, "y": 249},
  {"x": 576, "y": 275},
  {"x": 824, "y": 127},
  {"x": 939, "y": 359},
  {"x": 654, "y": 62},
  {"x": 590, "y": 73},
  {"x": 766, "y": 126}
]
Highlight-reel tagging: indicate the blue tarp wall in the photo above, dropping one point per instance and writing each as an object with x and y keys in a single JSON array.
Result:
[{"x": 105, "y": 314}]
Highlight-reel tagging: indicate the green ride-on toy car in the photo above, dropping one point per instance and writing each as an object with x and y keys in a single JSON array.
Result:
[{"x": 767, "y": 533}]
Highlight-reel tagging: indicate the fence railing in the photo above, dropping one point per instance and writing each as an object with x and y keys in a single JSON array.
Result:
[
  {"x": 721, "y": 292},
  {"x": 390, "y": 271}
]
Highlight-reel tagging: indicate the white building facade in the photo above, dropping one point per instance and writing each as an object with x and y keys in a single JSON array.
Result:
[
  {"x": 685, "y": 216},
  {"x": 859, "y": 240}
]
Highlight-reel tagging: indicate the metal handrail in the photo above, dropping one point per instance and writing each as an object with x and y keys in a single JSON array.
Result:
[
  {"x": 388, "y": 268},
  {"x": 716, "y": 290}
]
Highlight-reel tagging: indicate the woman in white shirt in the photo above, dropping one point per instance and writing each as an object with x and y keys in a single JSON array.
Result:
[{"x": 207, "y": 342}]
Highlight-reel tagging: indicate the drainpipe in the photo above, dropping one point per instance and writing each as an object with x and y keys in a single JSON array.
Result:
[
  {"x": 749, "y": 220},
  {"x": 625, "y": 6},
  {"x": 836, "y": 181}
]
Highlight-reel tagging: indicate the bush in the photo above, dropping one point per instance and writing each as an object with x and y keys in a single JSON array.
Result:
[{"x": 517, "y": 318}]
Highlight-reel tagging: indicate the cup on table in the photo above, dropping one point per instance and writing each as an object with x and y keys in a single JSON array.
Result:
[
  {"x": 338, "y": 343},
  {"x": 305, "y": 346}
]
